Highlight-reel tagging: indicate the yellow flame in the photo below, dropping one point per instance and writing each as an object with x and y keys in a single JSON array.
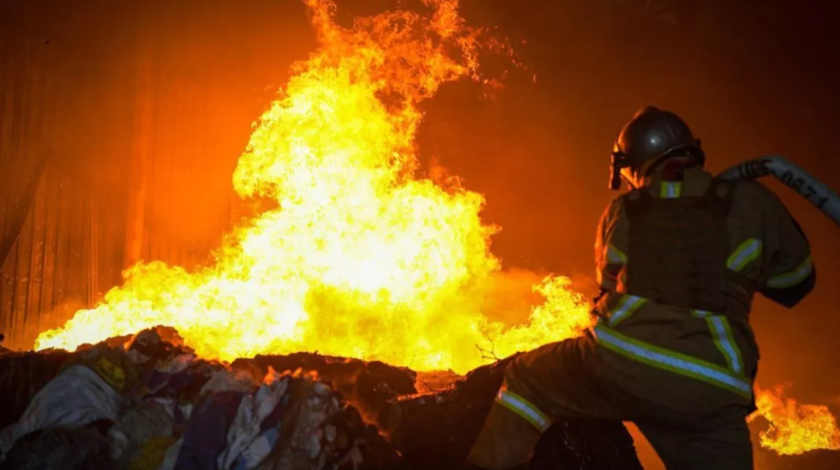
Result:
[
  {"x": 795, "y": 428},
  {"x": 362, "y": 257}
]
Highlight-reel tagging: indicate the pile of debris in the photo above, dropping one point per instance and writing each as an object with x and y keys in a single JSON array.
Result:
[
  {"x": 147, "y": 403},
  {"x": 152, "y": 404}
]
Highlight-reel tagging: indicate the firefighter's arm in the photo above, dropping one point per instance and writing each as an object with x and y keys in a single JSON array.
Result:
[
  {"x": 611, "y": 242},
  {"x": 792, "y": 274}
]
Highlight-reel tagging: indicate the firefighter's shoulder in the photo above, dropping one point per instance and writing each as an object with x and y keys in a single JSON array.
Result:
[{"x": 753, "y": 195}]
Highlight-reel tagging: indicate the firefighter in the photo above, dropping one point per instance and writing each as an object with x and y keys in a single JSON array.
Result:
[{"x": 679, "y": 257}]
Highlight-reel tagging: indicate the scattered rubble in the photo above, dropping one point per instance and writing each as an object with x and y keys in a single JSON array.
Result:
[{"x": 147, "y": 403}]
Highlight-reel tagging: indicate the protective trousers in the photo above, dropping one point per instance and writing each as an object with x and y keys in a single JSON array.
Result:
[{"x": 572, "y": 379}]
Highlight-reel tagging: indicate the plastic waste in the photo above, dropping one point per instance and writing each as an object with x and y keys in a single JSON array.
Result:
[
  {"x": 206, "y": 434},
  {"x": 245, "y": 437},
  {"x": 77, "y": 397},
  {"x": 171, "y": 456},
  {"x": 60, "y": 448},
  {"x": 145, "y": 404},
  {"x": 223, "y": 380},
  {"x": 137, "y": 426},
  {"x": 153, "y": 453}
]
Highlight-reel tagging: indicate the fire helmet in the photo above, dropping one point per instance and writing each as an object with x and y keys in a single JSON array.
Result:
[{"x": 650, "y": 137}]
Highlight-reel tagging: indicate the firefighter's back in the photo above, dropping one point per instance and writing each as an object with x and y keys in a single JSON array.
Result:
[{"x": 686, "y": 258}]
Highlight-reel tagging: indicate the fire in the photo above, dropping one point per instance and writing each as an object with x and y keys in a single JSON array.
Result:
[
  {"x": 795, "y": 428},
  {"x": 363, "y": 257}
]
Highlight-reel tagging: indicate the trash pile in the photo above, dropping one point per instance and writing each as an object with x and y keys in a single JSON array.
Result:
[{"x": 150, "y": 404}]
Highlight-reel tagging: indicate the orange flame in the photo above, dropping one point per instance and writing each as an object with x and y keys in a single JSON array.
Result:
[
  {"x": 795, "y": 428},
  {"x": 363, "y": 258}
]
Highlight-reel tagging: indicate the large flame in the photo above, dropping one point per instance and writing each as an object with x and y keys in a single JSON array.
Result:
[
  {"x": 795, "y": 428},
  {"x": 362, "y": 257}
]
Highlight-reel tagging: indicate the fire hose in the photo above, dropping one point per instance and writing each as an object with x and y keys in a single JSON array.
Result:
[{"x": 791, "y": 176}]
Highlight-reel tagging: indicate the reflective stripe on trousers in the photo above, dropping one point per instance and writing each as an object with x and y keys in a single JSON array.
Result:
[
  {"x": 625, "y": 307},
  {"x": 524, "y": 408},
  {"x": 615, "y": 256}
]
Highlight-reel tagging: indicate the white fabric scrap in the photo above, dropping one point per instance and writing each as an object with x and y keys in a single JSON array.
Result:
[
  {"x": 75, "y": 398},
  {"x": 223, "y": 380},
  {"x": 246, "y": 425},
  {"x": 171, "y": 456}
]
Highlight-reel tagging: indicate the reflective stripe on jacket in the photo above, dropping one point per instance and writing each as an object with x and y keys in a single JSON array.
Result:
[{"x": 768, "y": 254}]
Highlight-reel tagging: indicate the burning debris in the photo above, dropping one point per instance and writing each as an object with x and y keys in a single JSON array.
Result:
[{"x": 152, "y": 404}]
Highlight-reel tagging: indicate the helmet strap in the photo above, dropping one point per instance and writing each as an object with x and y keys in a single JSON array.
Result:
[{"x": 618, "y": 161}]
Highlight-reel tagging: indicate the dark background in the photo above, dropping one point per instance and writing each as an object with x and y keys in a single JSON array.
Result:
[
  {"x": 106, "y": 92},
  {"x": 750, "y": 77}
]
